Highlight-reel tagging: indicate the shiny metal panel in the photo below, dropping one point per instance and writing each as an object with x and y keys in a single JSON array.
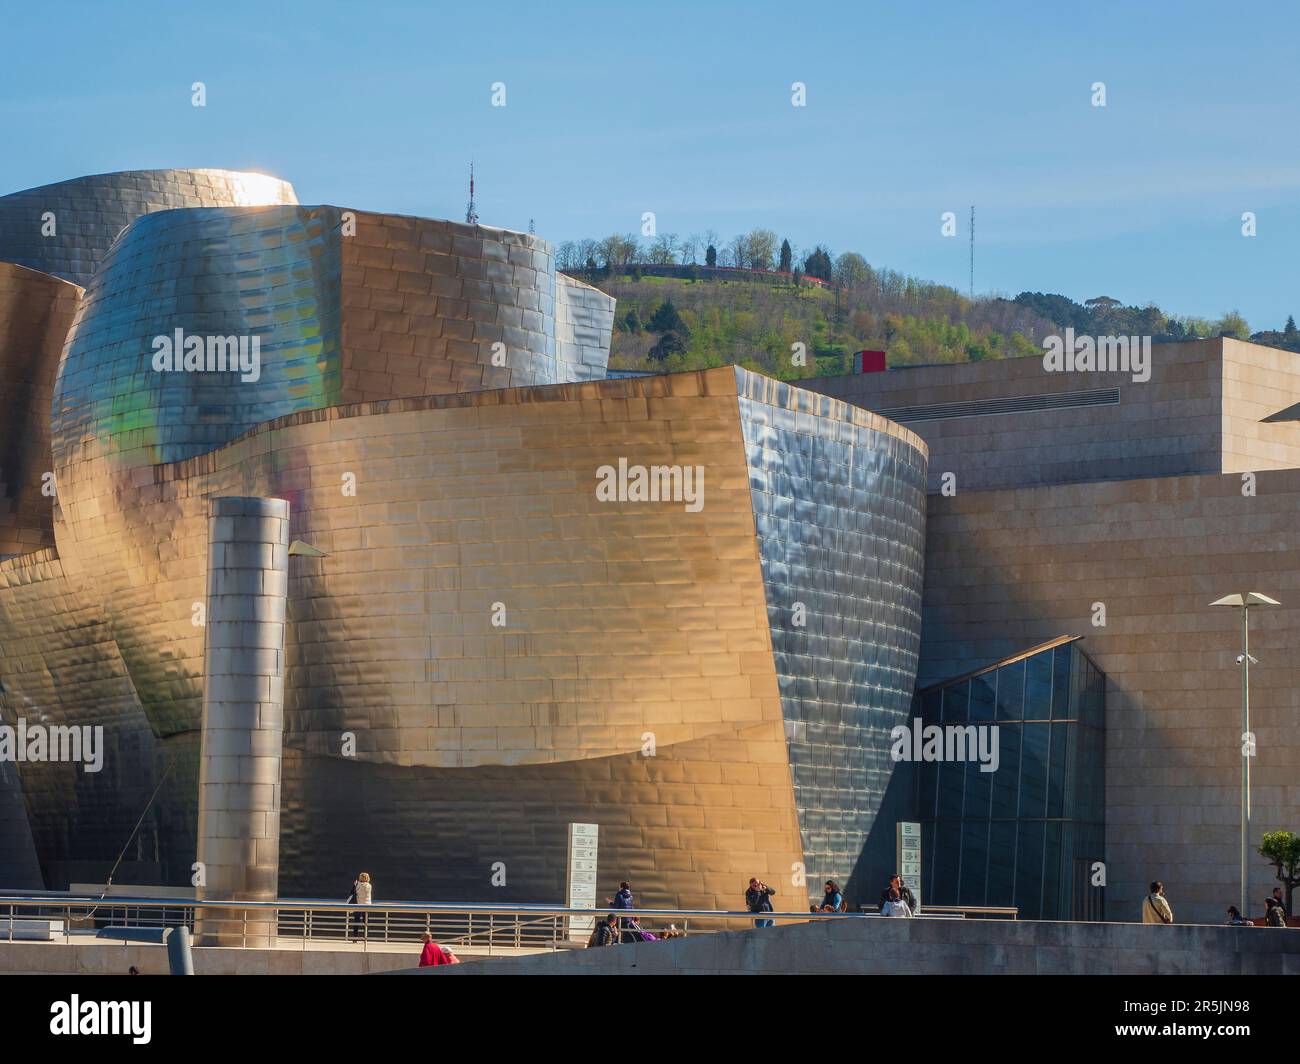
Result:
[
  {"x": 839, "y": 505},
  {"x": 243, "y": 717},
  {"x": 418, "y": 413},
  {"x": 88, "y": 213},
  {"x": 36, "y": 311}
]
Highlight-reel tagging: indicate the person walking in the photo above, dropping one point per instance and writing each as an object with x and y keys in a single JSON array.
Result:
[
  {"x": 362, "y": 894},
  {"x": 1155, "y": 907},
  {"x": 1274, "y": 913},
  {"x": 758, "y": 899},
  {"x": 623, "y": 900}
]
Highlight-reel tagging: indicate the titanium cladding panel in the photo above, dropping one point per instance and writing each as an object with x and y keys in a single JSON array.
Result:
[
  {"x": 839, "y": 511},
  {"x": 269, "y": 273},
  {"x": 35, "y": 313},
  {"x": 379, "y": 356},
  {"x": 66, "y": 229}
]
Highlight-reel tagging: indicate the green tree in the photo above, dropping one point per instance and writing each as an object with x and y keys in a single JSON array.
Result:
[
  {"x": 851, "y": 270},
  {"x": 1234, "y": 325},
  {"x": 669, "y": 344},
  {"x": 1057, "y": 308},
  {"x": 786, "y": 257},
  {"x": 760, "y": 245},
  {"x": 632, "y": 322},
  {"x": 665, "y": 319},
  {"x": 1290, "y": 332},
  {"x": 1282, "y": 850},
  {"x": 818, "y": 264},
  {"x": 710, "y": 256}
]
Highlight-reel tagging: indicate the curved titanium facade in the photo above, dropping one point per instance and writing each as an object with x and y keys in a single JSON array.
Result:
[
  {"x": 839, "y": 508},
  {"x": 59, "y": 665},
  {"x": 35, "y": 313},
  {"x": 346, "y": 307},
  {"x": 621, "y": 620},
  {"x": 272, "y": 273},
  {"x": 489, "y": 648},
  {"x": 66, "y": 229}
]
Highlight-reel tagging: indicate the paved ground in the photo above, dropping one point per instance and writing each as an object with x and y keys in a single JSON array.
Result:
[{"x": 84, "y": 953}]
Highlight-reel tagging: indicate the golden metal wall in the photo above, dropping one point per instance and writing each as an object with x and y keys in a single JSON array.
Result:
[
  {"x": 489, "y": 650},
  {"x": 35, "y": 312}
]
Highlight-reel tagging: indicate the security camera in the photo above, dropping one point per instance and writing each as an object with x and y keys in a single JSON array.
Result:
[{"x": 1242, "y": 657}]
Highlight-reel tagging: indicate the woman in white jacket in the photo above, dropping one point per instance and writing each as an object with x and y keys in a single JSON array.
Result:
[{"x": 362, "y": 894}]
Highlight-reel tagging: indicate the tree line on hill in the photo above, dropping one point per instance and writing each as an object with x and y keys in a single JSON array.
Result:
[
  {"x": 755, "y": 250},
  {"x": 680, "y": 324}
]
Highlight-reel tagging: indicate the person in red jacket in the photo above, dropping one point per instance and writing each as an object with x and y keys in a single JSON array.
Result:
[{"x": 433, "y": 953}]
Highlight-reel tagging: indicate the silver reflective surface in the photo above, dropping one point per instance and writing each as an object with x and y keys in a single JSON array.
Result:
[
  {"x": 839, "y": 509},
  {"x": 66, "y": 228},
  {"x": 406, "y": 354}
]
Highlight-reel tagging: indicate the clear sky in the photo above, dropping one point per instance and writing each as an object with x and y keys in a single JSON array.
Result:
[{"x": 684, "y": 109}]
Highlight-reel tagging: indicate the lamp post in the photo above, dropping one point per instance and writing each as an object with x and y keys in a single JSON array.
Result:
[{"x": 1243, "y": 602}]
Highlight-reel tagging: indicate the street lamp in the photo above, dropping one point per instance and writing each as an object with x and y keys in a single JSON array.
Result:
[{"x": 1244, "y": 602}]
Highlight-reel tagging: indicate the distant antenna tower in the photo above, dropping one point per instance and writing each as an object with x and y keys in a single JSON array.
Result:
[
  {"x": 972, "y": 252},
  {"x": 471, "y": 212},
  {"x": 531, "y": 230}
]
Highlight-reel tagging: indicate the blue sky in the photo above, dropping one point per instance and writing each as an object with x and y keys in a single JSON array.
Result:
[{"x": 684, "y": 109}]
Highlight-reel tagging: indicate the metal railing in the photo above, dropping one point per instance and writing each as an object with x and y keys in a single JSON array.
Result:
[
  {"x": 297, "y": 923},
  {"x": 958, "y": 912}
]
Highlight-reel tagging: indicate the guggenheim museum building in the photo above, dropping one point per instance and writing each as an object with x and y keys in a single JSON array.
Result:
[{"x": 332, "y": 537}]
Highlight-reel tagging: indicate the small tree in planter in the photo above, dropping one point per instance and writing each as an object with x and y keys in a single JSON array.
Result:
[{"x": 1282, "y": 850}]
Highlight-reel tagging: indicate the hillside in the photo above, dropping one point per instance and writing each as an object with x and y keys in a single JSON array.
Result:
[
  {"x": 696, "y": 321},
  {"x": 754, "y": 324}
]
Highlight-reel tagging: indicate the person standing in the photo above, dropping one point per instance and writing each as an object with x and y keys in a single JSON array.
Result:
[
  {"x": 623, "y": 900},
  {"x": 894, "y": 904},
  {"x": 758, "y": 899},
  {"x": 1274, "y": 913},
  {"x": 1155, "y": 907},
  {"x": 362, "y": 894},
  {"x": 905, "y": 895},
  {"x": 1277, "y": 900}
]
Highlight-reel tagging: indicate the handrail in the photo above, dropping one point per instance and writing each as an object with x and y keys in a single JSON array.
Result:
[
  {"x": 305, "y": 905},
  {"x": 327, "y": 922}
]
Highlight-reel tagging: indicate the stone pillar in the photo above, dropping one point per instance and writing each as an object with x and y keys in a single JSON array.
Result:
[{"x": 243, "y": 717}]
